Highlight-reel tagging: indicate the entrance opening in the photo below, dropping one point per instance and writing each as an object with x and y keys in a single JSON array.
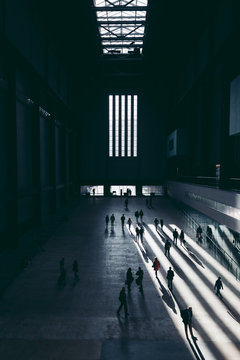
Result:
[
  {"x": 148, "y": 190},
  {"x": 123, "y": 190},
  {"x": 92, "y": 190}
]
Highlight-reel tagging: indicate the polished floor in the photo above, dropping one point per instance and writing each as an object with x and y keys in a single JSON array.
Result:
[{"x": 40, "y": 319}]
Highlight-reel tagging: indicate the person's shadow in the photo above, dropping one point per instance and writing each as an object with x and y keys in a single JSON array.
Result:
[{"x": 167, "y": 298}]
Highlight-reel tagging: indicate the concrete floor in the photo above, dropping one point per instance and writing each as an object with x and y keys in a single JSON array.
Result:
[{"x": 41, "y": 320}]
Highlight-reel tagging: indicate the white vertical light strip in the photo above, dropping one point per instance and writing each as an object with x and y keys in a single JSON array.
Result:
[
  {"x": 135, "y": 109},
  {"x": 123, "y": 125},
  {"x": 116, "y": 125},
  {"x": 110, "y": 125},
  {"x": 129, "y": 108}
]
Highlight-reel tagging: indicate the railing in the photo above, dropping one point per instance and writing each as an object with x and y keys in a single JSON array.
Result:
[{"x": 226, "y": 259}]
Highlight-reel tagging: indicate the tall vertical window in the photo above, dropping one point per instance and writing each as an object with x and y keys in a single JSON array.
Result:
[{"x": 123, "y": 116}]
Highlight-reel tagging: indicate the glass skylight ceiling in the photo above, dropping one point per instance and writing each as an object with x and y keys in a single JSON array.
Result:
[{"x": 121, "y": 25}]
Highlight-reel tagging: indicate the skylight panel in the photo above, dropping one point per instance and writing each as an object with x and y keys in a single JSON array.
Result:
[{"x": 121, "y": 20}]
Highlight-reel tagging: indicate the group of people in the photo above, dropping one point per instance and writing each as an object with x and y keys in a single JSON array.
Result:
[
  {"x": 63, "y": 272},
  {"x": 181, "y": 237},
  {"x": 156, "y": 223},
  {"x": 139, "y": 214},
  {"x": 128, "y": 282}
]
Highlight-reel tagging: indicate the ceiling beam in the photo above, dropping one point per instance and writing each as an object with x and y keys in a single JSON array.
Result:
[
  {"x": 120, "y": 46},
  {"x": 120, "y": 38},
  {"x": 138, "y": 22},
  {"x": 121, "y": 8}
]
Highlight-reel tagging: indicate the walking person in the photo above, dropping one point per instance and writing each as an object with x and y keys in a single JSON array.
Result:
[
  {"x": 137, "y": 233},
  {"x": 218, "y": 285},
  {"x": 129, "y": 279},
  {"x": 141, "y": 214},
  {"x": 156, "y": 222},
  {"x": 139, "y": 279},
  {"x": 61, "y": 264},
  {"x": 75, "y": 270},
  {"x": 123, "y": 220},
  {"x": 170, "y": 276},
  {"x": 141, "y": 232},
  {"x": 161, "y": 223},
  {"x": 136, "y": 215},
  {"x": 187, "y": 315},
  {"x": 156, "y": 265},
  {"x": 112, "y": 219},
  {"x": 106, "y": 220},
  {"x": 167, "y": 247},
  {"x": 199, "y": 232},
  {"x": 129, "y": 223},
  {"x": 123, "y": 302},
  {"x": 175, "y": 236},
  {"x": 181, "y": 237}
]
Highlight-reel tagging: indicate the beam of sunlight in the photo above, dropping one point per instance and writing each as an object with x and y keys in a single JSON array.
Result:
[
  {"x": 209, "y": 325},
  {"x": 211, "y": 276}
]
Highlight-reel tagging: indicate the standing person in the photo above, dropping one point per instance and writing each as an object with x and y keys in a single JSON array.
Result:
[
  {"x": 181, "y": 237},
  {"x": 106, "y": 220},
  {"x": 129, "y": 223},
  {"x": 170, "y": 276},
  {"x": 141, "y": 232},
  {"x": 61, "y": 264},
  {"x": 218, "y": 285},
  {"x": 141, "y": 214},
  {"x": 136, "y": 215},
  {"x": 167, "y": 247},
  {"x": 123, "y": 220},
  {"x": 75, "y": 269},
  {"x": 161, "y": 223},
  {"x": 129, "y": 279},
  {"x": 199, "y": 232},
  {"x": 156, "y": 265},
  {"x": 126, "y": 203},
  {"x": 139, "y": 279},
  {"x": 175, "y": 235},
  {"x": 123, "y": 302},
  {"x": 137, "y": 233},
  {"x": 187, "y": 315},
  {"x": 156, "y": 222},
  {"x": 112, "y": 219}
]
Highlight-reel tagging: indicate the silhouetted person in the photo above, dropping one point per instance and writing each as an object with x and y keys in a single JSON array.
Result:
[
  {"x": 141, "y": 214},
  {"x": 129, "y": 223},
  {"x": 61, "y": 264},
  {"x": 199, "y": 232},
  {"x": 123, "y": 302},
  {"x": 129, "y": 278},
  {"x": 136, "y": 215},
  {"x": 161, "y": 223},
  {"x": 167, "y": 247},
  {"x": 156, "y": 222},
  {"x": 170, "y": 276},
  {"x": 139, "y": 279},
  {"x": 209, "y": 233},
  {"x": 112, "y": 219},
  {"x": 106, "y": 220},
  {"x": 175, "y": 235},
  {"x": 181, "y": 237},
  {"x": 156, "y": 265},
  {"x": 126, "y": 203},
  {"x": 187, "y": 315},
  {"x": 75, "y": 269},
  {"x": 123, "y": 220},
  {"x": 137, "y": 233},
  {"x": 141, "y": 232},
  {"x": 218, "y": 286},
  {"x": 93, "y": 192}
]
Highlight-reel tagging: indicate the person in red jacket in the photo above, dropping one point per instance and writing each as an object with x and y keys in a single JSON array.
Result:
[{"x": 156, "y": 265}]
